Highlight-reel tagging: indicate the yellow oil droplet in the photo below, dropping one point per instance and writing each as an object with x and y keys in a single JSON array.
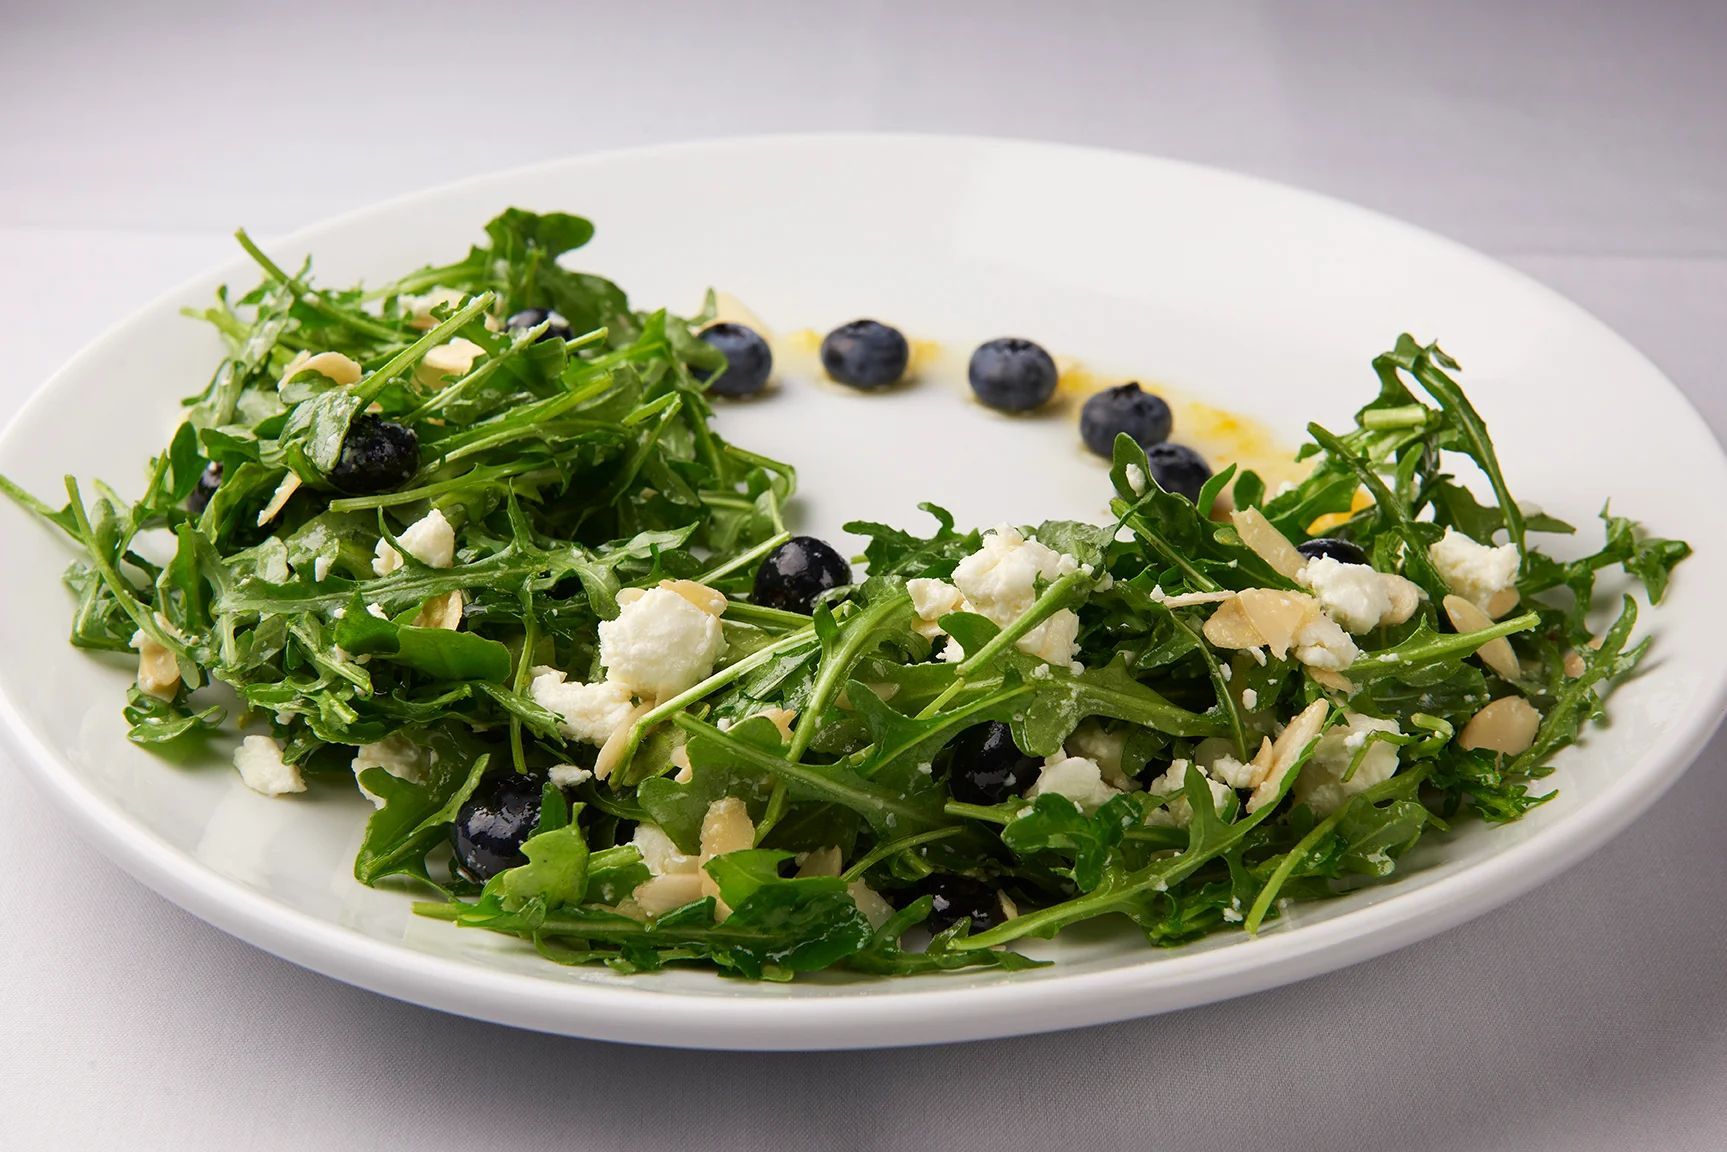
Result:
[
  {"x": 923, "y": 354},
  {"x": 1323, "y": 524},
  {"x": 728, "y": 309},
  {"x": 805, "y": 340},
  {"x": 1223, "y": 437}
]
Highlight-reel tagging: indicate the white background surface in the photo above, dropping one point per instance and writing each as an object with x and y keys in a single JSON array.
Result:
[{"x": 1585, "y": 145}]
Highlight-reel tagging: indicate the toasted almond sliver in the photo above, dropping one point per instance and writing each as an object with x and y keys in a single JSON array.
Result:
[
  {"x": 284, "y": 492},
  {"x": 821, "y": 862},
  {"x": 613, "y": 749},
  {"x": 158, "y": 671},
  {"x": 1229, "y": 627},
  {"x": 1501, "y": 602},
  {"x": 333, "y": 366},
  {"x": 1496, "y": 653},
  {"x": 1290, "y": 744},
  {"x": 1267, "y": 542},
  {"x": 782, "y": 719},
  {"x": 726, "y": 828},
  {"x": 1192, "y": 599},
  {"x": 876, "y": 910},
  {"x": 1574, "y": 665},
  {"x": 442, "y": 611},
  {"x": 1405, "y": 596},
  {"x": 663, "y": 893},
  {"x": 707, "y": 599},
  {"x": 1507, "y": 725},
  {"x": 1326, "y": 678},
  {"x": 1277, "y": 616},
  {"x": 628, "y": 596}
]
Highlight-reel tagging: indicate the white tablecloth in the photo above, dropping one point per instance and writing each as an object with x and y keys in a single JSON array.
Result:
[{"x": 1584, "y": 143}]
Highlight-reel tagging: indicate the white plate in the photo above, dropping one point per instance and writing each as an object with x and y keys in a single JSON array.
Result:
[{"x": 1257, "y": 297}]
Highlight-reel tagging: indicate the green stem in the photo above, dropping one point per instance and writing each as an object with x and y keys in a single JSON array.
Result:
[
  {"x": 895, "y": 847},
  {"x": 358, "y": 321}
]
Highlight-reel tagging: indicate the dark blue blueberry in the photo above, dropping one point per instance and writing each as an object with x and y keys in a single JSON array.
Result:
[
  {"x": 492, "y": 826},
  {"x": 1012, "y": 375},
  {"x": 208, "y": 481},
  {"x": 1342, "y": 551},
  {"x": 988, "y": 766},
  {"x": 865, "y": 354},
  {"x": 558, "y": 329},
  {"x": 962, "y": 898},
  {"x": 797, "y": 572},
  {"x": 1178, "y": 469},
  {"x": 1142, "y": 415},
  {"x": 378, "y": 455},
  {"x": 749, "y": 360}
]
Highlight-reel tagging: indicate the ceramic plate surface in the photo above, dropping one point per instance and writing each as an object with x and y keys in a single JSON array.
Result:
[{"x": 1250, "y": 296}]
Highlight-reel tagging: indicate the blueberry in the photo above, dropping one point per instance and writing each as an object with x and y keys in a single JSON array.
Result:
[
  {"x": 378, "y": 455},
  {"x": 797, "y": 572},
  {"x": 1178, "y": 469},
  {"x": 865, "y": 354},
  {"x": 1327, "y": 547},
  {"x": 1012, "y": 375},
  {"x": 749, "y": 360},
  {"x": 558, "y": 329},
  {"x": 962, "y": 898},
  {"x": 208, "y": 481},
  {"x": 988, "y": 766},
  {"x": 491, "y": 827},
  {"x": 1141, "y": 415}
]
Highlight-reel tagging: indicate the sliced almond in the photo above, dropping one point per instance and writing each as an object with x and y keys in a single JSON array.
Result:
[
  {"x": 453, "y": 359},
  {"x": 1267, "y": 542},
  {"x": 1279, "y": 617},
  {"x": 680, "y": 759},
  {"x": 1336, "y": 681},
  {"x": 1290, "y": 744},
  {"x": 1262, "y": 759},
  {"x": 284, "y": 492},
  {"x": 333, "y": 366},
  {"x": 876, "y": 910},
  {"x": 663, "y": 893},
  {"x": 726, "y": 828},
  {"x": 613, "y": 749},
  {"x": 703, "y": 597},
  {"x": 158, "y": 671},
  {"x": 1229, "y": 627},
  {"x": 821, "y": 862},
  {"x": 1192, "y": 599},
  {"x": 1507, "y": 725},
  {"x": 1574, "y": 665},
  {"x": 1496, "y": 653},
  {"x": 1405, "y": 596},
  {"x": 782, "y": 719},
  {"x": 1501, "y": 602},
  {"x": 442, "y": 611}
]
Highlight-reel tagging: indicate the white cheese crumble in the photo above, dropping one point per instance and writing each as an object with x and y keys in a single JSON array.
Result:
[
  {"x": 261, "y": 766},
  {"x": 1321, "y": 785},
  {"x": 568, "y": 775},
  {"x": 999, "y": 582},
  {"x": 1092, "y": 741},
  {"x": 397, "y": 755},
  {"x": 1354, "y": 595},
  {"x": 660, "y": 644},
  {"x": 586, "y": 712},
  {"x": 1136, "y": 479},
  {"x": 1178, "y": 813},
  {"x": 1078, "y": 778},
  {"x": 321, "y": 567},
  {"x": 1474, "y": 571},
  {"x": 431, "y": 540},
  {"x": 1249, "y": 699}
]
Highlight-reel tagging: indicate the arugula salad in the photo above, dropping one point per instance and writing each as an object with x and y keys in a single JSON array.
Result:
[{"x": 470, "y": 543}]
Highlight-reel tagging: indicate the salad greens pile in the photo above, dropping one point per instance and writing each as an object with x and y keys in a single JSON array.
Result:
[{"x": 802, "y": 788}]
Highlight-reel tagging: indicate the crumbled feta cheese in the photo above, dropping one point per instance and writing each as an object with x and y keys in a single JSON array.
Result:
[
  {"x": 321, "y": 567},
  {"x": 1322, "y": 644},
  {"x": 1232, "y": 772},
  {"x": 568, "y": 775},
  {"x": 1474, "y": 571},
  {"x": 659, "y": 853},
  {"x": 1136, "y": 479},
  {"x": 586, "y": 712},
  {"x": 1178, "y": 813},
  {"x": 261, "y": 766},
  {"x": 660, "y": 644},
  {"x": 430, "y": 540},
  {"x": 1249, "y": 699},
  {"x": 1092, "y": 741},
  {"x": 1078, "y": 778},
  {"x": 397, "y": 755},
  {"x": 1351, "y": 594},
  {"x": 999, "y": 582},
  {"x": 1321, "y": 785},
  {"x": 378, "y": 611},
  {"x": 1226, "y": 672},
  {"x": 1232, "y": 914}
]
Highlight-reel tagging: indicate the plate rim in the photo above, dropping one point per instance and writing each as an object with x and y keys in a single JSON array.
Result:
[{"x": 897, "y": 1016}]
